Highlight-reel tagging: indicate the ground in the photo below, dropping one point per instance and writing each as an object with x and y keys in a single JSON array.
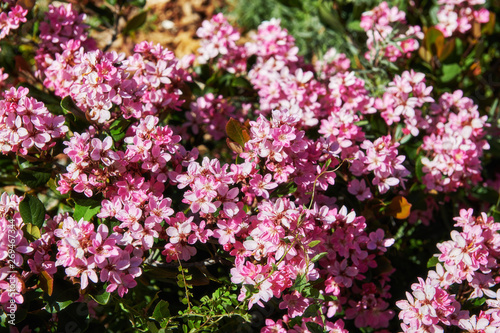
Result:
[{"x": 172, "y": 23}]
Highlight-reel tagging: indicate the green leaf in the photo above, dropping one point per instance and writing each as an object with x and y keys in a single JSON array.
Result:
[
  {"x": 34, "y": 176},
  {"x": 87, "y": 212},
  {"x": 135, "y": 22},
  {"x": 314, "y": 327},
  {"x": 312, "y": 310},
  {"x": 328, "y": 16},
  {"x": 102, "y": 298},
  {"x": 419, "y": 172},
  {"x": 69, "y": 106},
  {"x": 477, "y": 302},
  {"x": 161, "y": 311},
  {"x": 118, "y": 129},
  {"x": 433, "y": 261},
  {"x": 32, "y": 210},
  {"x": 486, "y": 194},
  {"x": 450, "y": 72},
  {"x": 241, "y": 82},
  {"x": 33, "y": 231},
  {"x": 355, "y": 26},
  {"x": 152, "y": 327},
  {"x": 314, "y": 243},
  {"x": 319, "y": 256},
  {"x": 82, "y": 200},
  {"x": 300, "y": 283}
]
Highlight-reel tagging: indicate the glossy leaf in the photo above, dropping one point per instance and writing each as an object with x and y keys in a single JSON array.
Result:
[
  {"x": 34, "y": 176},
  {"x": 102, "y": 298},
  {"x": 87, "y": 212},
  {"x": 69, "y": 106},
  {"x": 236, "y": 132},
  {"x": 32, "y": 210}
]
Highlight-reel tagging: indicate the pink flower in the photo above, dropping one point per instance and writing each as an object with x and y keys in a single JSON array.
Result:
[{"x": 260, "y": 185}]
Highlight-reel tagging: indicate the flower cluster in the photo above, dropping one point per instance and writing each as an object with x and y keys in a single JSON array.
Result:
[
  {"x": 85, "y": 252},
  {"x": 107, "y": 85},
  {"x": 11, "y": 20},
  {"x": 209, "y": 114},
  {"x": 218, "y": 40},
  {"x": 382, "y": 25},
  {"x": 459, "y": 16},
  {"x": 469, "y": 259},
  {"x": 26, "y": 125},
  {"x": 454, "y": 144},
  {"x": 63, "y": 29},
  {"x": 404, "y": 100},
  {"x": 273, "y": 208}
]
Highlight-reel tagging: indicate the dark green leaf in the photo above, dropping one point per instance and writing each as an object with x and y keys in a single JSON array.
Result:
[
  {"x": 64, "y": 290},
  {"x": 118, "y": 129},
  {"x": 32, "y": 210},
  {"x": 419, "y": 169},
  {"x": 291, "y": 3},
  {"x": 73, "y": 318},
  {"x": 300, "y": 283},
  {"x": 87, "y": 212},
  {"x": 69, "y": 106},
  {"x": 328, "y": 15},
  {"x": 135, "y": 22},
  {"x": 312, "y": 310},
  {"x": 35, "y": 176},
  {"x": 137, "y": 3},
  {"x": 241, "y": 82},
  {"x": 314, "y": 327},
  {"x": 486, "y": 194},
  {"x": 251, "y": 62},
  {"x": 102, "y": 298},
  {"x": 161, "y": 311},
  {"x": 82, "y": 200},
  {"x": 432, "y": 262}
]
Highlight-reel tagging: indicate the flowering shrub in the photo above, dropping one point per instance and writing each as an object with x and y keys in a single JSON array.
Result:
[{"x": 146, "y": 192}]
